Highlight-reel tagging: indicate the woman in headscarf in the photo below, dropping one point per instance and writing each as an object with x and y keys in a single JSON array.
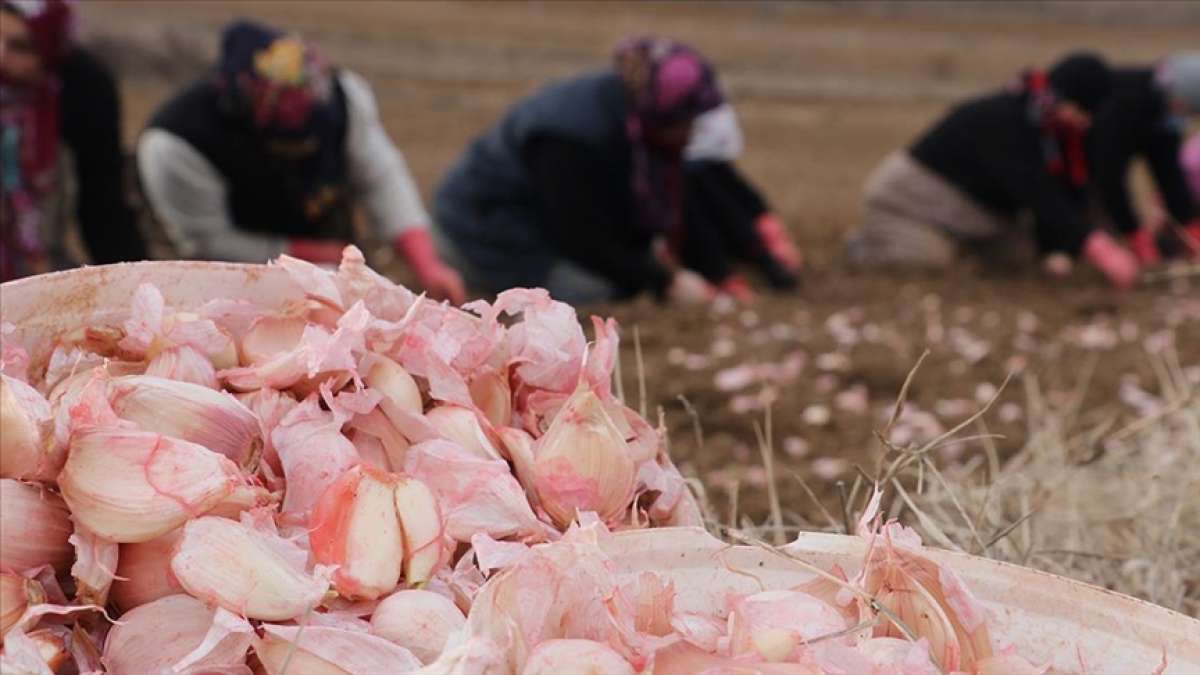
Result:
[
  {"x": 57, "y": 102},
  {"x": 269, "y": 154},
  {"x": 1146, "y": 117},
  {"x": 967, "y": 182},
  {"x": 581, "y": 188}
]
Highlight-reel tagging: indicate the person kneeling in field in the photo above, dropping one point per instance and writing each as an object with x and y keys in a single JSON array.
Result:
[
  {"x": 967, "y": 182},
  {"x": 1146, "y": 116},
  {"x": 268, "y": 155},
  {"x": 585, "y": 188}
]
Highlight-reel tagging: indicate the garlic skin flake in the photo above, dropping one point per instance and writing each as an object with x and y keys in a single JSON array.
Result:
[
  {"x": 35, "y": 527},
  {"x": 461, "y": 425},
  {"x": 420, "y": 621},
  {"x": 132, "y": 486},
  {"x": 253, "y": 573},
  {"x": 355, "y": 527},
  {"x": 583, "y": 463},
  {"x": 213, "y": 419}
]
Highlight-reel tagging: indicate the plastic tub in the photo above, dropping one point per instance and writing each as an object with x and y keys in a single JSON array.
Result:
[{"x": 1047, "y": 617}]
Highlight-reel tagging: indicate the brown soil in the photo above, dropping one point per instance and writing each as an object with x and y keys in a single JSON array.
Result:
[{"x": 824, "y": 91}]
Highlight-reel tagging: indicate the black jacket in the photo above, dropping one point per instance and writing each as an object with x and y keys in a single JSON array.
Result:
[
  {"x": 990, "y": 149},
  {"x": 1136, "y": 122}
]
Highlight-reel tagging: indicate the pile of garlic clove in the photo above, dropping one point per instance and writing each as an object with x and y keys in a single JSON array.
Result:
[{"x": 297, "y": 487}]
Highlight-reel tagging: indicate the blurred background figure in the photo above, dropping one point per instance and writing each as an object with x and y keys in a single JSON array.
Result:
[
  {"x": 582, "y": 189},
  {"x": 271, "y": 152},
  {"x": 1146, "y": 118},
  {"x": 966, "y": 183},
  {"x": 60, "y": 146}
]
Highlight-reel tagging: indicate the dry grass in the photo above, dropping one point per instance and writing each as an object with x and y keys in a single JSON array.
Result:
[{"x": 1092, "y": 495}]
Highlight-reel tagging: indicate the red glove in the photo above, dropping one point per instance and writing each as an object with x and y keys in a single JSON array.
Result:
[
  {"x": 320, "y": 251},
  {"x": 736, "y": 287},
  {"x": 1113, "y": 260},
  {"x": 1191, "y": 238},
  {"x": 1145, "y": 247},
  {"x": 439, "y": 280},
  {"x": 778, "y": 242}
]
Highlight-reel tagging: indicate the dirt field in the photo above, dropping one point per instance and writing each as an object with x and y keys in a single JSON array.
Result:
[{"x": 824, "y": 91}]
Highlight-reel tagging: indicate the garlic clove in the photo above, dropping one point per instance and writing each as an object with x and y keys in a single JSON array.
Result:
[
  {"x": 422, "y": 525},
  {"x": 35, "y": 527},
  {"x": 28, "y": 425},
  {"x": 774, "y": 623},
  {"x": 462, "y": 426},
  {"x": 354, "y": 526},
  {"x": 94, "y": 568},
  {"x": 319, "y": 647},
  {"x": 393, "y": 444},
  {"x": 400, "y": 391},
  {"x": 186, "y": 364},
  {"x": 518, "y": 448},
  {"x": 241, "y": 499},
  {"x": 144, "y": 572},
  {"x": 131, "y": 486},
  {"x": 582, "y": 463},
  {"x": 492, "y": 394},
  {"x": 576, "y": 657},
  {"x": 420, "y": 621},
  {"x": 269, "y": 336},
  {"x": 190, "y": 412},
  {"x": 157, "y": 637},
  {"x": 16, "y": 593},
  {"x": 246, "y": 571}
]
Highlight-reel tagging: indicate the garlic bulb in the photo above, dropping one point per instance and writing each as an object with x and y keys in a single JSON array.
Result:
[
  {"x": 131, "y": 486},
  {"x": 144, "y": 572},
  {"x": 582, "y": 463},
  {"x": 257, "y": 574},
  {"x": 462, "y": 426},
  {"x": 424, "y": 530},
  {"x": 420, "y": 621},
  {"x": 27, "y": 422},
  {"x": 355, "y": 527},
  {"x": 575, "y": 657},
  {"x": 34, "y": 528},
  {"x": 492, "y": 394},
  {"x": 190, "y": 412},
  {"x": 401, "y": 396},
  {"x": 159, "y": 636}
]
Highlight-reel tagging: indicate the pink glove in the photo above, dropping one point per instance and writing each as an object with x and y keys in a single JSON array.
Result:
[
  {"x": 1145, "y": 247},
  {"x": 320, "y": 251},
  {"x": 1113, "y": 260},
  {"x": 736, "y": 287},
  {"x": 439, "y": 280},
  {"x": 778, "y": 242}
]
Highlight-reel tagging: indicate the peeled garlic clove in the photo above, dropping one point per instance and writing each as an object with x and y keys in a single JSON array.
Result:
[
  {"x": 94, "y": 568},
  {"x": 355, "y": 527},
  {"x": 269, "y": 336},
  {"x": 462, "y": 426},
  {"x": 243, "y": 570},
  {"x": 492, "y": 394},
  {"x": 28, "y": 424},
  {"x": 131, "y": 486},
  {"x": 187, "y": 411},
  {"x": 400, "y": 392},
  {"x": 576, "y": 657},
  {"x": 186, "y": 364},
  {"x": 421, "y": 522},
  {"x": 317, "y": 648},
  {"x": 155, "y": 637},
  {"x": 419, "y": 621},
  {"x": 34, "y": 528},
  {"x": 773, "y": 623},
  {"x": 144, "y": 572},
  {"x": 16, "y": 593},
  {"x": 582, "y": 463}
]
